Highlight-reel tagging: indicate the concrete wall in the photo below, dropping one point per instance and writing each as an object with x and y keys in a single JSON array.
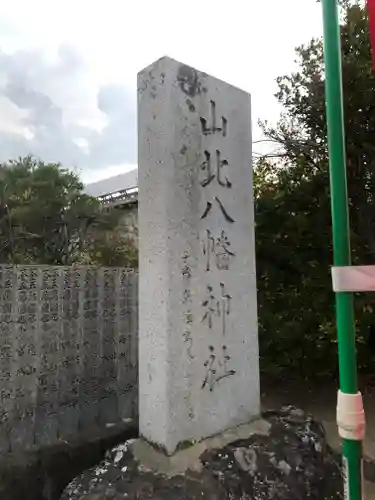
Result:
[
  {"x": 129, "y": 220},
  {"x": 68, "y": 351}
]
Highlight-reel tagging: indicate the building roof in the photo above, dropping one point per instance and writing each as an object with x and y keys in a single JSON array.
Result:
[{"x": 112, "y": 185}]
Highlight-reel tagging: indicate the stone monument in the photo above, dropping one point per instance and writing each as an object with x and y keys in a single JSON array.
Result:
[
  {"x": 198, "y": 343},
  {"x": 198, "y": 347}
]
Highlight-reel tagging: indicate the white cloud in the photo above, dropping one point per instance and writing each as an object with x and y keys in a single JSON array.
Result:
[
  {"x": 68, "y": 69},
  {"x": 88, "y": 176}
]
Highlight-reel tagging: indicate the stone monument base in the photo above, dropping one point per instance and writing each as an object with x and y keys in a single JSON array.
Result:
[{"x": 283, "y": 456}]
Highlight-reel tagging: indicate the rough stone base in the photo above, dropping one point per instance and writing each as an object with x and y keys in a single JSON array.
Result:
[
  {"x": 42, "y": 474},
  {"x": 284, "y": 456}
]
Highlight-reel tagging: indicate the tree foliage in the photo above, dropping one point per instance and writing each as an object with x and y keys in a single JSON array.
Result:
[
  {"x": 293, "y": 224},
  {"x": 46, "y": 218}
]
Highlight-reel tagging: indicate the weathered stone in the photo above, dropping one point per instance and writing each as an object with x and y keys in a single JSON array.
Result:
[
  {"x": 292, "y": 462},
  {"x": 198, "y": 342}
]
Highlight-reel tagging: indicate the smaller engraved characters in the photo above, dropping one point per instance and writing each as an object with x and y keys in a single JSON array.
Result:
[
  {"x": 188, "y": 339},
  {"x": 216, "y": 367},
  {"x": 186, "y": 270},
  {"x": 186, "y": 300},
  {"x": 187, "y": 334}
]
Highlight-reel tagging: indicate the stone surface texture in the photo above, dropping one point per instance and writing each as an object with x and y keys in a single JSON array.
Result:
[
  {"x": 198, "y": 372},
  {"x": 290, "y": 462}
]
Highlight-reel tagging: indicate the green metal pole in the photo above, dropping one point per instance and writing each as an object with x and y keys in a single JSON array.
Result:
[{"x": 351, "y": 450}]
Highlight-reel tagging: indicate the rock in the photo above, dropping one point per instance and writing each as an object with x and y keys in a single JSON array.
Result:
[
  {"x": 42, "y": 474},
  {"x": 292, "y": 462}
]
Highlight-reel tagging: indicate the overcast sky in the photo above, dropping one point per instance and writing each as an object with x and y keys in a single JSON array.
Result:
[{"x": 68, "y": 68}]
